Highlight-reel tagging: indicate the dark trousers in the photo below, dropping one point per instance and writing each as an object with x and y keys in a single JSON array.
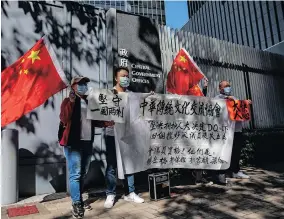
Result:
[
  {"x": 236, "y": 154},
  {"x": 111, "y": 169}
]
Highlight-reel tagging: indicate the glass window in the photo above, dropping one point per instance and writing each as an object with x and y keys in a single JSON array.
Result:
[
  {"x": 274, "y": 29},
  {"x": 261, "y": 34},
  {"x": 130, "y": 2},
  {"x": 162, "y": 4},
  {"x": 264, "y": 8},
  {"x": 154, "y": 4},
  {"x": 272, "y": 16},
  {"x": 263, "y": 45},
  {"x": 282, "y": 35},
  {"x": 259, "y": 23},
  {"x": 269, "y": 42},
  {"x": 276, "y": 39}
]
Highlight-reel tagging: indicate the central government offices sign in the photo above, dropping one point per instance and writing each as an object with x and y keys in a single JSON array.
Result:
[{"x": 138, "y": 49}]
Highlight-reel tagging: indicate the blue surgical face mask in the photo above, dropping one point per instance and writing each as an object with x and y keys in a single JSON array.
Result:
[
  {"x": 124, "y": 81},
  {"x": 82, "y": 89},
  {"x": 227, "y": 91}
]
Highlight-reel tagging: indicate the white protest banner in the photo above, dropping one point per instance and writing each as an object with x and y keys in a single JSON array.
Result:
[
  {"x": 132, "y": 138},
  {"x": 187, "y": 132},
  {"x": 104, "y": 105}
]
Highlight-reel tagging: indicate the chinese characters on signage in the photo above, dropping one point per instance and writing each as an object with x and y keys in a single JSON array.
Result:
[
  {"x": 177, "y": 107},
  {"x": 166, "y": 131},
  {"x": 186, "y": 143},
  {"x": 181, "y": 156},
  {"x": 187, "y": 132},
  {"x": 239, "y": 110},
  {"x": 105, "y": 105},
  {"x": 138, "y": 73}
]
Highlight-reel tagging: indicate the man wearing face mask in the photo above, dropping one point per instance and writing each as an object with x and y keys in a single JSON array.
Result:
[
  {"x": 225, "y": 93},
  {"x": 77, "y": 139},
  {"x": 122, "y": 82}
]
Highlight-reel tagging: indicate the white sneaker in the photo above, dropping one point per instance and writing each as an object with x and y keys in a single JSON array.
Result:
[
  {"x": 222, "y": 179},
  {"x": 240, "y": 175},
  {"x": 132, "y": 197},
  {"x": 109, "y": 201}
]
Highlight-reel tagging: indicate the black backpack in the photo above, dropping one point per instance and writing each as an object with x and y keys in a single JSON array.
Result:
[{"x": 60, "y": 131}]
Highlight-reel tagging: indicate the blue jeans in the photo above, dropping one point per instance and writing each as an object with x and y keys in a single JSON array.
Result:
[
  {"x": 112, "y": 167},
  {"x": 78, "y": 161}
]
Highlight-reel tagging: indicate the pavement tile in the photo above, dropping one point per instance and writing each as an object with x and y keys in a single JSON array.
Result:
[{"x": 258, "y": 198}]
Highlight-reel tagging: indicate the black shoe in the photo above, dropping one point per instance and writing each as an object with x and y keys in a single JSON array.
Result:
[
  {"x": 78, "y": 210},
  {"x": 87, "y": 207}
]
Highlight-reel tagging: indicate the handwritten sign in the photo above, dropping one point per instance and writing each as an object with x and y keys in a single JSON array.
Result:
[
  {"x": 177, "y": 107},
  {"x": 239, "y": 110},
  {"x": 187, "y": 132},
  {"x": 106, "y": 106},
  {"x": 172, "y": 131}
]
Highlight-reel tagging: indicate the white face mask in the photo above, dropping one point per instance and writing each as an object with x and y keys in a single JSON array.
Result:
[
  {"x": 82, "y": 89},
  {"x": 124, "y": 82},
  {"x": 227, "y": 91}
]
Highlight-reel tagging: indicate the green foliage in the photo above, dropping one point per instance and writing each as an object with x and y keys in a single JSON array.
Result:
[{"x": 262, "y": 146}]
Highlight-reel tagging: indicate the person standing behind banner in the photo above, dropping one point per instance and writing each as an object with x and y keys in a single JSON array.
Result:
[
  {"x": 76, "y": 134},
  {"x": 199, "y": 179},
  {"x": 225, "y": 93},
  {"x": 122, "y": 82}
]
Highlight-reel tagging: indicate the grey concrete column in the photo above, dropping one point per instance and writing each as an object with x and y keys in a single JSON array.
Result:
[{"x": 9, "y": 166}]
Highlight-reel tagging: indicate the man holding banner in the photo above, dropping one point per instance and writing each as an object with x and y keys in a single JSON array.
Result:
[
  {"x": 122, "y": 82},
  {"x": 225, "y": 93}
]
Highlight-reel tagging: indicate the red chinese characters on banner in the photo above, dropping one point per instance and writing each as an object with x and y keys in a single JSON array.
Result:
[{"x": 239, "y": 110}]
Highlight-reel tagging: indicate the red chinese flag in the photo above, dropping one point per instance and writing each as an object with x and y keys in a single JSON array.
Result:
[
  {"x": 195, "y": 91},
  {"x": 30, "y": 81},
  {"x": 239, "y": 110},
  {"x": 184, "y": 74}
]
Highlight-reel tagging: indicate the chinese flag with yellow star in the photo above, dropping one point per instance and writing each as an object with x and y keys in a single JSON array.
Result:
[
  {"x": 30, "y": 81},
  {"x": 184, "y": 75}
]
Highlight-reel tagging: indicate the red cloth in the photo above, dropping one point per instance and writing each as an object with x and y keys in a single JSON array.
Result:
[
  {"x": 66, "y": 111},
  {"x": 30, "y": 81},
  {"x": 195, "y": 91},
  {"x": 184, "y": 74},
  {"x": 239, "y": 110}
]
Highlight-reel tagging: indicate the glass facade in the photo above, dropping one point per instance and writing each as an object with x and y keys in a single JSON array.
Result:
[
  {"x": 152, "y": 9},
  {"x": 258, "y": 24}
]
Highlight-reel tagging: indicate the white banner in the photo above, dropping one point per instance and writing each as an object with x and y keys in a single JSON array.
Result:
[
  {"x": 104, "y": 105},
  {"x": 188, "y": 132},
  {"x": 173, "y": 131},
  {"x": 132, "y": 138}
]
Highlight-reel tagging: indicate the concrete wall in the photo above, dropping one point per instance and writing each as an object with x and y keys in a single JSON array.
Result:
[{"x": 77, "y": 34}]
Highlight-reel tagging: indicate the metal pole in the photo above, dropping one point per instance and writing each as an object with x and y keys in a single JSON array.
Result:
[
  {"x": 248, "y": 93},
  {"x": 9, "y": 166}
]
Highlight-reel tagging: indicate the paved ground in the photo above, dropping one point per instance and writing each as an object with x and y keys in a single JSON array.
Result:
[{"x": 262, "y": 197}]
